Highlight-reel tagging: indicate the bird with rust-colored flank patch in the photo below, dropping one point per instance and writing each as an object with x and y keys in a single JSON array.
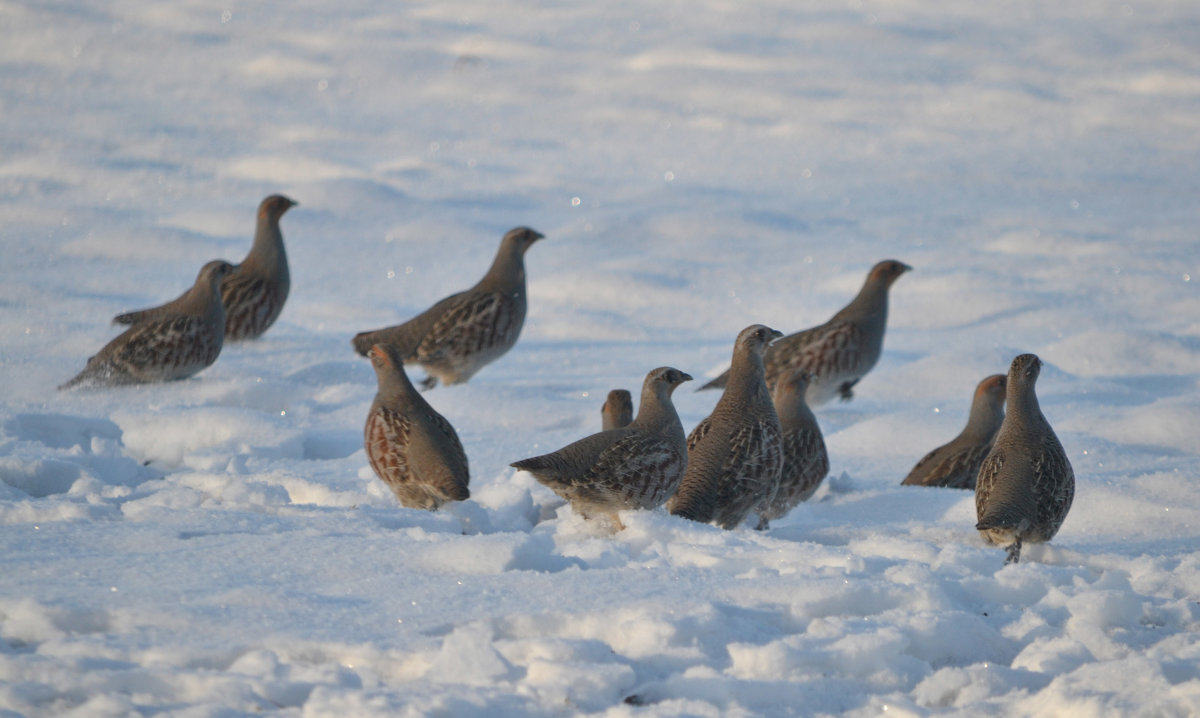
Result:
[
  {"x": 411, "y": 447},
  {"x": 735, "y": 455},
  {"x": 172, "y": 341},
  {"x": 841, "y": 351},
  {"x": 617, "y": 410},
  {"x": 805, "y": 461},
  {"x": 464, "y": 332},
  {"x": 956, "y": 464},
  {"x": 634, "y": 467},
  {"x": 254, "y": 292},
  {"x": 1026, "y": 484}
]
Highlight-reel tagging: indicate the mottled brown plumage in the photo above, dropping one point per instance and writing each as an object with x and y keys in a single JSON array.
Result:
[
  {"x": 805, "y": 461},
  {"x": 254, "y": 292},
  {"x": 1026, "y": 484},
  {"x": 617, "y": 410},
  {"x": 841, "y": 351},
  {"x": 411, "y": 447},
  {"x": 172, "y": 341},
  {"x": 735, "y": 455},
  {"x": 956, "y": 464},
  {"x": 464, "y": 332},
  {"x": 634, "y": 467}
]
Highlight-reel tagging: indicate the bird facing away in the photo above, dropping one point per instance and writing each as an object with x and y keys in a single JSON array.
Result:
[
  {"x": 464, "y": 332},
  {"x": 956, "y": 464},
  {"x": 735, "y": 455},
  {"x": 842, "y": 350},
  {"x": 1025, "y": 484},
  {"x": 633, "y": 467},
  {"x": 254, "y": 293},
  {"x": 617, "y": 410},
  {"x": 172, "y": 341},
  {"x": 805, "y": 461},
  {"x": 410, "y": 446}
]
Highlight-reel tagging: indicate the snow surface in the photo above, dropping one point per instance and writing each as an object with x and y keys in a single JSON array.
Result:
[{"x": 219, "y": 546}]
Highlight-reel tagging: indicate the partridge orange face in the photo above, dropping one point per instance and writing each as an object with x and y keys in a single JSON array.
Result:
[
  {"x": 889, "y": 270},
  {"x": 994, "y": 385},
  {"x": 379, "y": 357}
]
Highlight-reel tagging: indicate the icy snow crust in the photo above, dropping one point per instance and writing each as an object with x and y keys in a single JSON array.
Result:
[{"x": 219, "y": 546}]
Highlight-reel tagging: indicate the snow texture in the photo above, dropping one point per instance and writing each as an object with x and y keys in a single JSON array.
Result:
[{"x": 219, "y": 547}]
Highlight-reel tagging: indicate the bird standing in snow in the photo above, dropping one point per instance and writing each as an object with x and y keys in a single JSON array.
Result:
[
  {"x": 411, "y": 447},
  {"x": 464, "y": 332},
  {"x": 617, "y": 410},
  {"x": 735, "y": 455},
  {"x": 1026, "y": 484},
  {"x": 841, "y": 351},
  {"x": 172, "y": 341},
  {"x": 956, "y": 464},
  {"x": 634, "y": 467},
  {"x": 254, "y": 292},
  {"x": 805, "y": 461}
]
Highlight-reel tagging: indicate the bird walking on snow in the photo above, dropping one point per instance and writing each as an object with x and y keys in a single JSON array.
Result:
[
  {"x": 411, "y": 447},
  {"x": 735, "y": 455},
  {"x": 1026, "y": 483},
  {"x": 956, "y": 464},
  {"x": 617, "y": 410},
  {"x": 172, "y": 341},
  {"x": 634, "y": 467},
  {"x": 254, "y": 293},
  {"x": 805, "y": 461},
  {"x": 841, "y": 351},
  {"x": 464, "y": 332}
]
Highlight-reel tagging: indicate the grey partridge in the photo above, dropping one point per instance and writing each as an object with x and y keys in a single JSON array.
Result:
[
  {"x": 805, "y": 460},
  {"x": 634, "y": 467},
  {"x": 254, "y": 293},
  {"x": 171, "y": 341},
  {"x": 617, "y": 410},
  {"x": 464, "y": 332},
  {"x": 735, "y": 455},
  {"x": 841, "y": 351},
  {"x": 1026, "y": 484},
  {"x": 955, "y": 464},
  {"x": 411, "y": 447}
]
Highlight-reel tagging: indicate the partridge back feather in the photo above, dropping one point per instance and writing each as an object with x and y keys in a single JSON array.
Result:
[
  {"x": 459, "y": 335},
  {"x": 172, "y": 341},
  {"x": 956, "y": 464},
  {"x": 735, "y": 455},
  {"x": 1026, "y": 484},
  {"x": 411, "y": 447},
  {"x": 839, "y": 352},
  {"x": 638, "y": 466},
  {"x": 805, "y": 460}
]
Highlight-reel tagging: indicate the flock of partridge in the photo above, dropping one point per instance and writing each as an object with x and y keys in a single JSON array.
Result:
[{"x": 759, "y": 452}]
